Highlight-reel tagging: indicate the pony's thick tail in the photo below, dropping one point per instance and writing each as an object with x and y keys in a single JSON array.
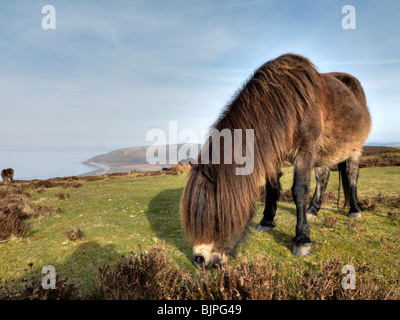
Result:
[{"x": 343, "y": 175}]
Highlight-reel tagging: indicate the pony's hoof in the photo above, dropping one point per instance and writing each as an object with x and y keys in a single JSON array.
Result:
[
  {"x": 310, "y": 216},
  {"x": 264, "y": 229},
  {"x": 354, "y": 215},
  {"x": 301, "y": 250}
]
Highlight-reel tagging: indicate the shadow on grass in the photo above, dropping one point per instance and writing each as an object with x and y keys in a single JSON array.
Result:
[
  {"x": 88, "y": 255},
  {"x": 164, "y": 217},
  {"x": 83, "y": 263},
  {"x": 81, "y": 267},
  {"x": 281, "y": 238}
]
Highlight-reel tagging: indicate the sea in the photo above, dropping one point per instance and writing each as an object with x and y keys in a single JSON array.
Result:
[{"x": 48, "y": 162}]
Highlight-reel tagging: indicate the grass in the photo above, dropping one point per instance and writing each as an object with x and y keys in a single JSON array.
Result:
[{"x": 121, "y": 215}]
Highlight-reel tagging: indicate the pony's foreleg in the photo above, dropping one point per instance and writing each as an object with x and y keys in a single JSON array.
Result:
[
  {"x": 273, "y": 192},
  {"x": 300, "y": 189},
  {"x": 321, "y": 179}
]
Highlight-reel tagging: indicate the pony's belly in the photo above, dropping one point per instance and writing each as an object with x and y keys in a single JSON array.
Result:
[
  {"x": 329, "y": 162},
  {"x": 323, "y": 159}
]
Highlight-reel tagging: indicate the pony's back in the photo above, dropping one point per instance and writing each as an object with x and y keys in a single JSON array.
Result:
[{"x": 352, "y": 83}]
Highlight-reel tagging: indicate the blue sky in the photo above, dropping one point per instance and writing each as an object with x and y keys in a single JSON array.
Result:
[{"x": 112, "y": 70}]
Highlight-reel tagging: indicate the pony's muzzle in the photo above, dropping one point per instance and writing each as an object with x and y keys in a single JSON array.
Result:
[
  {"x": 200, "y": 262},
  {"x": 199, "y": 259},
  {"x": 205, "y": 257}
]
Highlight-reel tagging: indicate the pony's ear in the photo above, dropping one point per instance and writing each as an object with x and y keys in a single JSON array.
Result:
[
  {"x": 209, "y": 172},
  {"x": 192, "y": 162}
]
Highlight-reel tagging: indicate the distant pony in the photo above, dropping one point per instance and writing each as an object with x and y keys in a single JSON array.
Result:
[
  {"x": 7, "y": 175},
  {"x": 315, "y": 120}
]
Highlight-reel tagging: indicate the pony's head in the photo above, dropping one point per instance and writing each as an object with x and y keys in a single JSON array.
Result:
[{"x": 215, "y": 212}]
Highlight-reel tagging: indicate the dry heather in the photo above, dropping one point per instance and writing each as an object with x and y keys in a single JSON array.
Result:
[
  {"x": 16, "y": 204},
  {"x": 380, "y": 162},
  {"x": 180, "y": 168},
  {"x": 30, "y": 288},
  {"x": 150, "y": 276},
  {"x": 13, "y": 212},
  {"x": 11, "y": 222},
  {"x": 62, "y": 196}
]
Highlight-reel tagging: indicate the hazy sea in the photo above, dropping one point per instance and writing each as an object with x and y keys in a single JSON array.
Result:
[{"x": 44, "y": 163}]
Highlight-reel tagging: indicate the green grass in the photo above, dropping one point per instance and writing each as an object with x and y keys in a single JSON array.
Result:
[{"x": 124, "y": 214}]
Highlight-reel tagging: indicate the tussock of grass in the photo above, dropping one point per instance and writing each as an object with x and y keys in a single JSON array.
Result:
[
  {"x": 330, "y": 221},
  {"x": 62, "y": 196},
  {"x": 74, "y": 234}
]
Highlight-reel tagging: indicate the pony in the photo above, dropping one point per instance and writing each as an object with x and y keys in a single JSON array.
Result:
[
  {"x": 7, "y": 175},
  {"x": 314, "y": 120}
]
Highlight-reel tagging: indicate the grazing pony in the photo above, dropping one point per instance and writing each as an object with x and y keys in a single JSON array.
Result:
[
  {"x": 315, "y": 120},
  {"x": 7, "y": 175}
]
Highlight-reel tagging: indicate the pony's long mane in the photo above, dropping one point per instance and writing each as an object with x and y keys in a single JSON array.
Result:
[{"x": 272, "y": 102}]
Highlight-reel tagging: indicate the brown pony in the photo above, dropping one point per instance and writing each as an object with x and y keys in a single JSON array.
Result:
[
  {"x": 312, "y": 119},
  {"x": 7, "y": 175}
]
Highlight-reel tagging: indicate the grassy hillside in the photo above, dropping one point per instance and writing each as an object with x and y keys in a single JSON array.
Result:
[{"x": 128, "y": 213}]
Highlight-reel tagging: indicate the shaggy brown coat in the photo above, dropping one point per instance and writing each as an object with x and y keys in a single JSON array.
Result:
[{"x": 297, "y": 114}]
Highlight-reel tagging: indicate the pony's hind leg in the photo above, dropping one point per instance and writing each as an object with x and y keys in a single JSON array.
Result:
[
  {"x": 349, "y": 171},
  {"x": 273, "y": 191},
  {"x": 321, "y": 179},
  {"x": 300, "y": 189}
]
